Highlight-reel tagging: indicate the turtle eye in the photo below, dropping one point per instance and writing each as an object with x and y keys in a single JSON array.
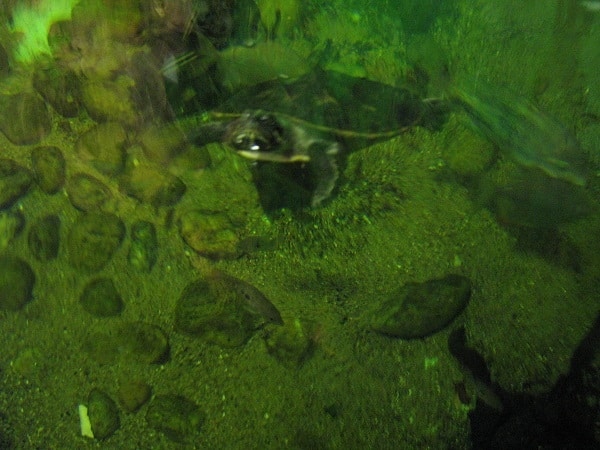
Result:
[{"x": 250, "y": 142}]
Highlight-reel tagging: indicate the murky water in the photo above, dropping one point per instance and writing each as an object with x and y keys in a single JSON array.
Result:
[{"x": 126, "y": 185}]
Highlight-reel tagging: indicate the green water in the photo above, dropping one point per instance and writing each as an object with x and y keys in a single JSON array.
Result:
[{"x": 124, "y": 200}]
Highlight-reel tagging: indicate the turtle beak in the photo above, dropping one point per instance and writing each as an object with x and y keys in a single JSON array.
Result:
[{"x": 273, "y": 157}]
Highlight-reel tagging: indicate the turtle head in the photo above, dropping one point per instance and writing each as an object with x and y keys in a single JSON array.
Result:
[{"x": 262, "y": 136}]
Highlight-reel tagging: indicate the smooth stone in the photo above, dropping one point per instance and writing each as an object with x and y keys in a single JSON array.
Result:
[
  {"x": 110, "y": 101},
  {"x": 162, "y": 143},
  {"x": 103, "y": 414},
  {"x": 223, "y": 310},
  {"x": 133, "y": 394},
  {"x": 16, "y": 283},
  {"x": 15, "y": 181},
  {"x": 93, "y": 239},
  {"x": 87, "y": 193},
  {"x": 101, "y": 299},
  {"x": 104, "y": 147},
  {"x": 11, "y": 225},
  {"x": 49, "y": 167},
  {"x": 43, "y": 238},
  {"x": 420, "y": 309},
  {"x": 291, "y": 344},
  {"x": 143, "y": 248},
  {"x": 176, "y": 417},
  {"x": 210, "y": 234},
  {"x": 151, "y": 184},
  {"x": 131, "y": 342},
  {"x": 24, "y": 118},
  {"x": 60, "y": 89}
]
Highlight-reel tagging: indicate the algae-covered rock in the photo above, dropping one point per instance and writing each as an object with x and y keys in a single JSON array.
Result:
[
  {"x": 133, "y": 394},
  {"x": 131, "y": 342},
  {"x": 43, "y": 238},
  {"x": 211, "y": 234},
  {"x": 420, "y": 309},
  {"x": 15, "y": 181},
  {"x": 223, "y": 310},
  {"x": 104, "y": 147},
  {"x": 162, "y": 144},
  {"x": 144, "y": 246},
  {"x": 87, "y": 193},
  {"x": 110, "y": 100},
  {"x": 291, "y": 344},
  {"x": 176, "y": 417},
  {"x": 103, "y": 414},
  {"x": 24, "y": 118},
  {"x": 12, "y": 223},
  {"x": 101, "y": 299},
  {"x": 59, "y": 88},
  {"x": 93, "y": 240},
  {"x": 48, "y": 164},
  {"x": 16, "y": 283},
  {"x": 151, "y": 184}
]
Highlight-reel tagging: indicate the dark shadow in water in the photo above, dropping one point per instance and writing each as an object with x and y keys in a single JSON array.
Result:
[{"x": 567, "y": 417}]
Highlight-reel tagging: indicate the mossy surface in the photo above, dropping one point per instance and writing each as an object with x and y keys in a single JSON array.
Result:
[{"x": 401, "y": 213}]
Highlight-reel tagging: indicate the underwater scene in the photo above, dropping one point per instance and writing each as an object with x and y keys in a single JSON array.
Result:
[{"x": 273, "y": 224}]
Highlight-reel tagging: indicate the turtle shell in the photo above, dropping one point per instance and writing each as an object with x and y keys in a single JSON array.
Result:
[{"x": 330, "y": 102}]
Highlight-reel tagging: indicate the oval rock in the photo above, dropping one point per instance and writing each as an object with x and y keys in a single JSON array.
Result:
[
  {"x": 16, "y": 283},
  {"x": 15, "y": 181},
  {"x": 48, "y": 164},
  {"x": 86, "y": 192},
  {"x": 101, "y": 299},
  {"x": 103, "y": 414},
  {"x": 419, "y": 309},
  {"x": 44, "y": 238},
  {"x": 176, "y": 417},
  {"x": 93, "y": 240}
]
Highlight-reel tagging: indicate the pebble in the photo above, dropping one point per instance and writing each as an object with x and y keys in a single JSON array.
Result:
[
  {"x": 87, "y": 193},
  {"x": 16, "y": 283},
  {"x": 176, "y": 417},
  {"x": 291, "y": 344},
  {"x": 15, "y": 181},
  {"x": 43, "y": 238},
  {"x": 60, "y": 89},
  {"x": 11, "y": 225},
  {"x": 103, "y": 414},
  {"x": 93, "y": 239},
  {"x": 143, "y": 248},
  {"x": 417, "y": 310},
  {"x": 211, "y": 234},
  {"x": 133, "y": 394},
  {"x": 110, "y": 101},
  {"x": 104, "y": 147},
  {"x": 151, "y": 184},
  {"x": 100, "y": 298},
  {"x": 162, "y": 144},
  {"x": 25, "y": 120},
  {"x": 223, "y": 310},
  {"x": 130, "y": 342},
  {"x": 49, "y": 167}
]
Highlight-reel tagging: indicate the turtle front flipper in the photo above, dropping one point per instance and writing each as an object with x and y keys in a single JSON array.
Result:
[
  {"x": 323, "y": 169},
  {"x": 298, "y": 185}
]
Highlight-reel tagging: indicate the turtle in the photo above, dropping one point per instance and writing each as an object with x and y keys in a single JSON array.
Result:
[{"x": 299, "y": 131}]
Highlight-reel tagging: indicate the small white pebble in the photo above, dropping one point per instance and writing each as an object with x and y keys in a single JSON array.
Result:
[{"x": 84, "y": 422}]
